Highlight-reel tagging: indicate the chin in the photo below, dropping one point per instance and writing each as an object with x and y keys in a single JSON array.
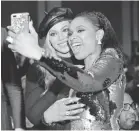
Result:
[
  {"x": 64, "y": 50},
  {"x": 79, "y": 57}
]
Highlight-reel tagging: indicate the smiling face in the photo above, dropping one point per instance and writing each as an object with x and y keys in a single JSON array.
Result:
[
  {"x": 82, "y": 37},
  {"x": 58, "y": 37}
]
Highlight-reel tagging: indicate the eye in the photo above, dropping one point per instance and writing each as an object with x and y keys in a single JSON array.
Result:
[
  {"x": 66, "y": 30},
  {"x": 53, "y": 34},
  {"x": 80, "y": 30}
]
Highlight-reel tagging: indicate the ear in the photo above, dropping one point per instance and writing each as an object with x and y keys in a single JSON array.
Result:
[{"x": 99, "y": 35}]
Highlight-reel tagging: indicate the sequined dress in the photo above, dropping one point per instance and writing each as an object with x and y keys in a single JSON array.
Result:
[{"x": 100, "y": 88}]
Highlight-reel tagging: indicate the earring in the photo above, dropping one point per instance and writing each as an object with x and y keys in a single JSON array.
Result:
[{"x": 99, "y": 42}]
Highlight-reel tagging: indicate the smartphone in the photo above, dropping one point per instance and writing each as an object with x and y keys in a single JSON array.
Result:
[{"x": 19, "y": 21}]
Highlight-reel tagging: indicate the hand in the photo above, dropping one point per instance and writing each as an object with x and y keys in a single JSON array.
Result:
[
  {"x": 26, "y": 43},
  {"x": 61, "y": 110}
]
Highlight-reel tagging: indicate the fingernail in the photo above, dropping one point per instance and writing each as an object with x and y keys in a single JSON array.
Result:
[{"x": 82, "y": 105}]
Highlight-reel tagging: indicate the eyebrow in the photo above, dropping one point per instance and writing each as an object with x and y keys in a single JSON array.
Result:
[
  {"x": 65, "y": 26},
  {"x": 52, "y": 31},
  {"x": 80, "y": 26}
]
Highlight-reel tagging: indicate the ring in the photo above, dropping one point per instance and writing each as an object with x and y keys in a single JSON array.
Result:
[
  {"x": 10, "y": 39},
  {"x": 67, "y": 113}
]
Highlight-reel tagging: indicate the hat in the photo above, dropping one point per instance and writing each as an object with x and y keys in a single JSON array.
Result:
[{"x": 53, "y": 17}]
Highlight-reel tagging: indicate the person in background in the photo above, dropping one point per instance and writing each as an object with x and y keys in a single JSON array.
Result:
[
  {"x": 128, "y": 115},
  {"x": 11, "y": 90}
]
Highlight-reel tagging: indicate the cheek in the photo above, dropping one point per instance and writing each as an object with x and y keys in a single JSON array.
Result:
[
  {"x": 65, "y": 34},
  {"x": 54, "y": 41},
  {"x": 122, "y": 116},
  {"x": 90, "y": 44}
]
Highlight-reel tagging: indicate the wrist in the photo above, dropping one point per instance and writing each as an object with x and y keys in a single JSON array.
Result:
[
  {"x": 41, "y": 52},
  {"x": 46, "y": 121},
  {"x": 46, "y": 118}
]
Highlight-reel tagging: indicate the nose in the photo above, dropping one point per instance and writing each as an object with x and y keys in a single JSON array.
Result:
[
  {"x": 60, "y": 36},
  {"x": 63, "y": 35},
  {"x": 72, "y": 37}
]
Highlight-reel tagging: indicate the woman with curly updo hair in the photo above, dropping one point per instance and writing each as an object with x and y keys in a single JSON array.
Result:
[{"x": 93, "y": 39}]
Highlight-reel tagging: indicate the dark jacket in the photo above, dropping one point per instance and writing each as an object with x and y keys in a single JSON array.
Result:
[{"x": 37, "y": 99}]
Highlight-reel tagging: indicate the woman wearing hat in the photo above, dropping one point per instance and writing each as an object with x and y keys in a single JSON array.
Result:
[{"x": 42, "y": 88}]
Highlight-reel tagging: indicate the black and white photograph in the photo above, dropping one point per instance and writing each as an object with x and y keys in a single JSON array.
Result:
[{"x": 69, "y": 65}]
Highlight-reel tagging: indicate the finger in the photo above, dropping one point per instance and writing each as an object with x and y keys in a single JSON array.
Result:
[
  {"x": 71, "y": 100},
  {"x": 9, "y": 39},
  {"x": 10, "y": 28},
  {"x": 80, "y": 66},
  {"x": 32, "y": 29},
  {"x": 11, "y": 34},
  {"x": 12, "y": 47},
  {"x": 71, "y": 117},
  {"x": 26, "y": 27},
  {"x": 75, "y": 106},
  {"x": 74, "y": 112}
]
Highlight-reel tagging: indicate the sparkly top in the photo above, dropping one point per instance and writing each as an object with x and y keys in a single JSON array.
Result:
[{"x": 101, "y": 88}]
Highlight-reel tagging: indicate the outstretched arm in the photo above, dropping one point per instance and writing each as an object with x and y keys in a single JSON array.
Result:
[
  {"x": 44, "y": 105},
  {"x": 36, "y": 102},
  {"x": 100, "y": 76},
  {"x": 104, "y": 72}
]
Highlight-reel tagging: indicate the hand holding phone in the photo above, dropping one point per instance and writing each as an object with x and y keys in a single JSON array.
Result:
[{"x": 20, "y": 21}]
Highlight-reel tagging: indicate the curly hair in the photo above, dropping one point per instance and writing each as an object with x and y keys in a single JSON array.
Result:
[{"x": 109, "y": 39}]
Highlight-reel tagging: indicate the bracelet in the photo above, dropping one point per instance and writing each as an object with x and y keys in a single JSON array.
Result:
[{"x": 47, "y": 124}]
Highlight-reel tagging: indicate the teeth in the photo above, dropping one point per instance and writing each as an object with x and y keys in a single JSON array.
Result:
[
  {"x": 75, "y": 48},
  {"x": 76, "y": 44},
  {"x": 63, "y": 44}
]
